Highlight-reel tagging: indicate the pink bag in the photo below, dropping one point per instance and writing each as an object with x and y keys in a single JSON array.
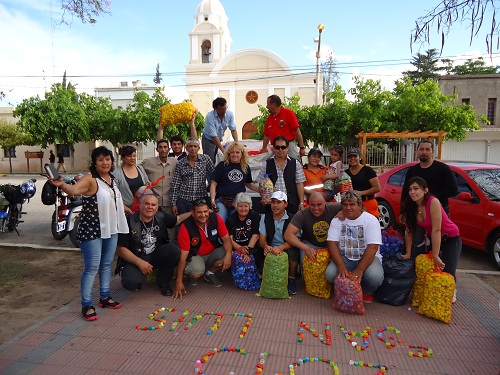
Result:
[{"x": 348, "y": 296}]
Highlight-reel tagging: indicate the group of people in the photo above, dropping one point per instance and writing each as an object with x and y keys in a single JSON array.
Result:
[{"x": 193, "y": 215}]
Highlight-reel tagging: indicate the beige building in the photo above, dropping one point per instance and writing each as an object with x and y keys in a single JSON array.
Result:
[
  {"x": 482, "y": 92},
  {"x": 244, "y": 78}
]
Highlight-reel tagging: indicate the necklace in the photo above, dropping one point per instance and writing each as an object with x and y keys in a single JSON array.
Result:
[{"x": 149, "y": 230}]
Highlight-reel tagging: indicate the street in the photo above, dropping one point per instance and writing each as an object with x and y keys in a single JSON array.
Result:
[{"x": 36, "y": 229}]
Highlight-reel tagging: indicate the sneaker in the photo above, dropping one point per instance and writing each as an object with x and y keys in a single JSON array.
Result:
[
  {"x": 367, "y": 298},
  {"x": 192, "y": 282},
  {"x": 212, "y": 279},
  {"x": 454, "y": 297},
  {"x": 292, "y": 287}
]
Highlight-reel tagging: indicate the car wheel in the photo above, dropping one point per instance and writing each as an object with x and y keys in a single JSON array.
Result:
[
  {"x": 494, "y": 247},
  {"x": 386, "y": 217}
]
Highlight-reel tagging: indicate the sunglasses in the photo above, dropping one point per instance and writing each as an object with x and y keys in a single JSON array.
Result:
[{"x": 280, "y": 147}]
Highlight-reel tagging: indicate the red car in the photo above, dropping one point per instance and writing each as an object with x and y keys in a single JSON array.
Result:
[{"x": 475, "y": 210}]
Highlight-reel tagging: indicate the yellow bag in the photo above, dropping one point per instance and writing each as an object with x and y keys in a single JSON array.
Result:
[
  {"x": 438, "y": 296},
  {"x": 171, "y": 114},
  {"x": 314, "y": 274},
  {"x": 423, "y": 265}
]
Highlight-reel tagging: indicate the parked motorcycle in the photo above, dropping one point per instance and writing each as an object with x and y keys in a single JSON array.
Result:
[
  {"x": 12, "y": 198},
  {"x": 66, "y": 212}
]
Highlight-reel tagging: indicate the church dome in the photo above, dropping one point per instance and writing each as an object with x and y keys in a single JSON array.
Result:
[{"x": 211, "y": 7}]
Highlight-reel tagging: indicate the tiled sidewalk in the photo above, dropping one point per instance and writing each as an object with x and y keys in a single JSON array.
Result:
[{"x": 66, "y": 344}]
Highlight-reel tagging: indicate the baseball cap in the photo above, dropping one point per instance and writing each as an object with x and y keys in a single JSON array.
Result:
[
  {"x": 279, "y": 195},
  {"x": 314, "y": 151},
  {"x": 354, "y": 151}
]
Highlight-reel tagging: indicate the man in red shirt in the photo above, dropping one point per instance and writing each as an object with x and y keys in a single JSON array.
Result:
[
  {"x": 201, "y": 252},
  {"x": 283, "y": 121}
]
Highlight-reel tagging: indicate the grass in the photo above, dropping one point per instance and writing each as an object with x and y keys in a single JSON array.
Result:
[{"x": 12, "y": 272}]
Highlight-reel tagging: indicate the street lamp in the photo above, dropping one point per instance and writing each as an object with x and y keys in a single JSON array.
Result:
[{"x": 318, "y": 40}]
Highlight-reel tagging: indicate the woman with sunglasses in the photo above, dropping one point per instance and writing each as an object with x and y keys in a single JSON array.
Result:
[{"x": 102, "y": 218}]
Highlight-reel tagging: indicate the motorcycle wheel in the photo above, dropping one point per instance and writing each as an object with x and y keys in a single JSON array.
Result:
[
  {"x": 72, "y": 234},
  {"x": 13, "y": 218},
  {"x": 53, "y": 227}
]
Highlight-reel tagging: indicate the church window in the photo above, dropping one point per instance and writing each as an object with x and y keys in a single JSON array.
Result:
[{"x": 206, "y": 52}]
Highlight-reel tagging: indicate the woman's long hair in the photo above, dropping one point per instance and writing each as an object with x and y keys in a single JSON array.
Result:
[
  {"x": 244, "y": 155},
  {"x": 409, "y": 208}
]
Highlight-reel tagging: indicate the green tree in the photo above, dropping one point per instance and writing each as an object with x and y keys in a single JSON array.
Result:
[
  {"x": 157, "y": 79},
  {"x": 424, "y": 108},
  {"x": 470, "y": 67},
  {"x": 59, "y": 118},
  {"x": 426, "y": 67},
  {"x": 449, "y": 12},
  {"x": 11, "y": 136}
]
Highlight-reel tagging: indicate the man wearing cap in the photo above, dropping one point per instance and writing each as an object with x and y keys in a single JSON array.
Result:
[
  {"x": 272, "y": 227},
  {"x": 364, "y": 181},
  {"x": 199, "y": 239},
  {"x": 314, "y": 173},
  {"x": 311, "y": 224},
  {"x": 216, "y": 123},
  {"x": 282, "y": 121},
  {"x": 354, "y": 244},
  {"x": 286, "y": 174}
]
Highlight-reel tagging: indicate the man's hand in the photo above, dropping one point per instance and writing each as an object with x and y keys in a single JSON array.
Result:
[
  {"x": 144, "y": 267},
  {"x": 356, "y": 275},
  {"x": 226, "y": 262},
  {"x": 302, "y": 152},
  {"x": 174, "y": 210},
  {"x": 310, "y": 253},
  {"x": 277, "y": 250},
  {"x": 343, "y": 272},
  {"x": 268, "y": 249},
  {"x": 179, "y": 290}
]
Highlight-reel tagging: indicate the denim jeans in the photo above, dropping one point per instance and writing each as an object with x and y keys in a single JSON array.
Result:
[
  {"x": 224, "y": 212},
  {"x": 372, "y": 277},
  {"x": 98, "y": 255}
]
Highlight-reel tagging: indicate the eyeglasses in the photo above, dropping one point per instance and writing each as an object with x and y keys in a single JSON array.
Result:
[{"x": 280, "y": 147}]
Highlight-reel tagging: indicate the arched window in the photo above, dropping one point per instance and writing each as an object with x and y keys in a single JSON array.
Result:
[{"x": 206, "y": 52}]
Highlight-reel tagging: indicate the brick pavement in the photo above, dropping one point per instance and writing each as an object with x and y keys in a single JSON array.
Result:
[{"x": 64, "y": 343}]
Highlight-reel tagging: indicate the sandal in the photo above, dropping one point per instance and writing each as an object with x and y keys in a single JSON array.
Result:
[
  {"x": 110, "y": 305},
  {"x": 89, "y": 317}
]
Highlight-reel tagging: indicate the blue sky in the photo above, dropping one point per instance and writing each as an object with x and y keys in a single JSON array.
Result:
[{"x": 366, "y": 37}]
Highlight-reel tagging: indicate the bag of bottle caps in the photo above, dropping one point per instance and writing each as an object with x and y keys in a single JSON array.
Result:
[
  {"x": 348, "y": 296},
  {"x": 244, "y": 274},
  {"x": 275, "y": 276},
  {"x": 314, "y": 274},
  {"x": 438, "y": 296},
  {"x": 392, "y": 242},
  {"x": 424, "y": 263},
  {"x": 171, "y": 114},
  {"x": 344, "y": 182},
  {"x": 266, "y": 190},
  {"x": 329, "y": 184}
]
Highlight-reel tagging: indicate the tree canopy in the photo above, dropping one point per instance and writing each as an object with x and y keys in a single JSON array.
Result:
[
  {"x": 476, "y": 14},
  {"x": 427, "y": 67},
  {"x": 470, "y": 67}
]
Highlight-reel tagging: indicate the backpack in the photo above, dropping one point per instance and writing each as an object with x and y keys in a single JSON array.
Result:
[{"x": 48, "y": 194}]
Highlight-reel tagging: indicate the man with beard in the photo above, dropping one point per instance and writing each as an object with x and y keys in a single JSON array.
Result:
[{"x": 439, "y": 177}]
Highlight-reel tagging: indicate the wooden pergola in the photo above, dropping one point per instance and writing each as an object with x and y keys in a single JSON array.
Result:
[{"x": 362, "y": 138}]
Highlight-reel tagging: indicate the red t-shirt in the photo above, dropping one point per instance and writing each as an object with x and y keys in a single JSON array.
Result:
[
  {"x": 206, "y": 246},
  {"x": 290, "y": 124}
]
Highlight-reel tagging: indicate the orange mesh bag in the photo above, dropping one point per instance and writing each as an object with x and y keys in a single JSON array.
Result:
[
  {"x": 171, "y": 114},
  {"x": 142, "y": 191},
  {"x": 348, "y": 296},
  {"x": 438, "y": 296},
  {"x": 314, "y": 274},
  {"x": 423, "y": 265}
]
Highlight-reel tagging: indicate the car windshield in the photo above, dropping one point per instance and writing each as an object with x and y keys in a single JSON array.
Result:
[{"x": 488, "y": 181}]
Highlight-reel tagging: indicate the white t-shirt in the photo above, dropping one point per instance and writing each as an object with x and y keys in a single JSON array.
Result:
[{"x": 353, "y": 236}]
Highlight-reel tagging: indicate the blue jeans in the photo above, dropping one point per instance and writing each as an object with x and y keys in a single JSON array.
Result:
[
  {"x": 224, "y": 212},
  {"x": 372, "y": 277},
  {"x": 98, "y": 255}
]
